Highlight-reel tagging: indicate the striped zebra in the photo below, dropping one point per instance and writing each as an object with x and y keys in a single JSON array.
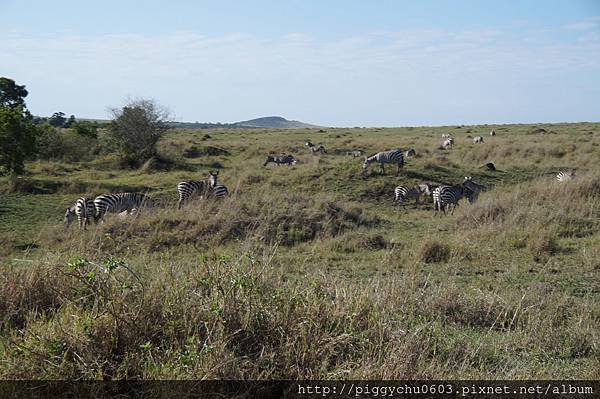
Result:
[
  {"x": 403, "y": 193},
  {"x": 493, "y": 133},
  {"x": 84, "y": 209},
  {"x": 563, "y": 176},
  {"x": 477, "y": 139},
  {"x": 449, "y": 142},
  {"x": 219, "y": 191},
  {"x": 444, "y": 196},
  {"x": 391, "y": 156},
  {"x": 446, "y": 135},
  {"x": 191, "y": 188},
  {"x": 121, "y": 202},
  {"x": 410, "y": 153},
  {"x": 281, "y": 159},
  {"x": 314, "y": 149},
  {"x": 354, "y": 153}
]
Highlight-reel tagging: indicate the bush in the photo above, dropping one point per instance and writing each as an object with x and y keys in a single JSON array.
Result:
[
  {"x": 433, "y": 252},
  {"x": 56, "y": 145}
]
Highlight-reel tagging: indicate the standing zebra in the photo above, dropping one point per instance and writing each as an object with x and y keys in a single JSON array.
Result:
[
  {"x": 281, "y": 159},
  {"x": 355, "y": 153},
  {"x": 314, "y": 149},
  {"x": 449, "y": 142},
  {"x": 446, "y": 135},
  {"x": 121, "y": 202},
  {"x": 443, "y": 196},
  {"x": 563, "y": 176},
  {"x": 190, "y": 188},
  {"x": 84, "y": 209},
  {"x": 403, "y": 193},
  {"x": 391, "y": 156},
  {"x": 493, "y": 133},
  {"x": 477, "y": 139}
]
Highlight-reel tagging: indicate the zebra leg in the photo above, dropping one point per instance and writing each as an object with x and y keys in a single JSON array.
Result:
[
  {"x": 80, "y": 221},
  {"x": 382, "y": 169}
]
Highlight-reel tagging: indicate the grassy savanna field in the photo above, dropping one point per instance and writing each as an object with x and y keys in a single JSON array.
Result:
[{"x": 311, "y": 271}]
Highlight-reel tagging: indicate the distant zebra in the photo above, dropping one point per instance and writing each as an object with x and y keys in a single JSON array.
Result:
[
  {"x": 403, "y": 193},
  {"x": 477, "y": 139},
  {"x": 410, "y": 153},
  {"x": 443, "y": 196},
  {"x": 191, "y": 188},
  {"x": 493, "y": 133},
  {"x": 219, "y": 191},
  {"x": 354, "y": 153},
  {"x": 84, "y": 209},
  {"x": 391, "y": 156},
  {"x": 446, "y": 135},
  {"x": 121, "y": 202},
  {"x": 314, "y": 149},
  {"x": 449, "y": 142},
  {"x": 281, "y": 159},
  {"x": 563, "y": 176}
]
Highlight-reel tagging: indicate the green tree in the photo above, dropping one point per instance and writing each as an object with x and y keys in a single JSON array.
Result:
[
  {"x": 136, "y": 129},
  {"x": 17, "y": 139},
  {"x": 70, "y": 121},
  {"x": 11, "y": 94},
  {"x": 17, "y": 132},
  {"x": 86, "y": 128},
  {"x": 57, "y": 119}
]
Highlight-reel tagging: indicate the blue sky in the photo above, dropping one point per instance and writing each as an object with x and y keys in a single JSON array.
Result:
[{"x": 338, "y": 63}]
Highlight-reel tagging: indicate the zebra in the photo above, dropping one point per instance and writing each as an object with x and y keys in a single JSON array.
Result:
[
  {"x": 563, "y": 176},
  {"x": 493, "y": 133},
  {"x": 121, "y": 202},
  {"x": 410, "y": 153},
  {"x": 281, "y": 159},
  {"x": 477, "y": 139},
  {"x": 314, "y": 149},
  {"x": 449, "y": 142},
  {"x": 219, "y": 191},
  {"x": 444, "y": 195},
  {"x": 402, "y": 193},
  {"x": 446, "y": 135},
  {"x": 190, "y": 188},
  {"x": 354, "y": 153},
  {"x": 392, "y": 156},
  {"x": 84, "y": 209}
]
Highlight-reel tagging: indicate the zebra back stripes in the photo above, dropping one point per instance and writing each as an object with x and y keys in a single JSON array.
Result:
[
  {"x": 191, "y": 188},
  {"x": 281, "y": 159},
  {"x": 121, "y": 202},
  {"x": 392, "y": 156},
  {"x": 477, "y": 139},
  {"x": 563, "y": 176},
  {"x": 219, "y": 191},
  {"x": 403, "y": 193},
  {"x": 444, "y": 196}
]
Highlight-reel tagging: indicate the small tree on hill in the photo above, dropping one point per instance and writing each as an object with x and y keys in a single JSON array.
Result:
[
  {"x": 17, "y": 131},
  {"x": 136, "y": 129},
  {"x": 57, "y": 119}
]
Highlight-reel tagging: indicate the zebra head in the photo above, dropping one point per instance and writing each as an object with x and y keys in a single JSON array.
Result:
[
  {"x": 309, "y": 144},
  {"x": 365, "y": 164},
  {"x": 212, "y": 178},
  {"x": 69, "y": 216},
  {"x": 424, "y": 189},
  {"x": 471, "y": 189}
]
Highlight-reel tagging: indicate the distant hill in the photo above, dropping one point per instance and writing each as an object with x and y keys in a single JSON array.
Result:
[
  {"x": 267, "y": 122},
  {"x": 274, "y": 122}
]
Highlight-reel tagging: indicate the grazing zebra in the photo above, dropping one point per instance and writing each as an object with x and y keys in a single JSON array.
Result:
[
  {"x": 84, "y": 209},
  {"x": 219, "y": 191},
  {"x": 354, "y": 153},
  {"x": 477, "y": 139},
  {"x": 443, "y": 196},
  {"x": 403, "y": 193},
  {"x": 281, "y": 159},
  {"x": 121, "y": 202},
  {"x": 449, "y": 142},
  {"x": 190, "y": 188},
  {"x": 493, "y": 133},
  {"x": 563, "y": 176},
  {"x": 314, "y": 149},
  {"x": 410, "y": 153},
  {"x": 391, "y": 156}
]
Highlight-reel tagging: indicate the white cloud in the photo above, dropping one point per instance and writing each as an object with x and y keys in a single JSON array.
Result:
[{"x": 424, "y": 76}]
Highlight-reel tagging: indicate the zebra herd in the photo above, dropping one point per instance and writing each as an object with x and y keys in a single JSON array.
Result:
[{"x": 87, "y": 209}]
